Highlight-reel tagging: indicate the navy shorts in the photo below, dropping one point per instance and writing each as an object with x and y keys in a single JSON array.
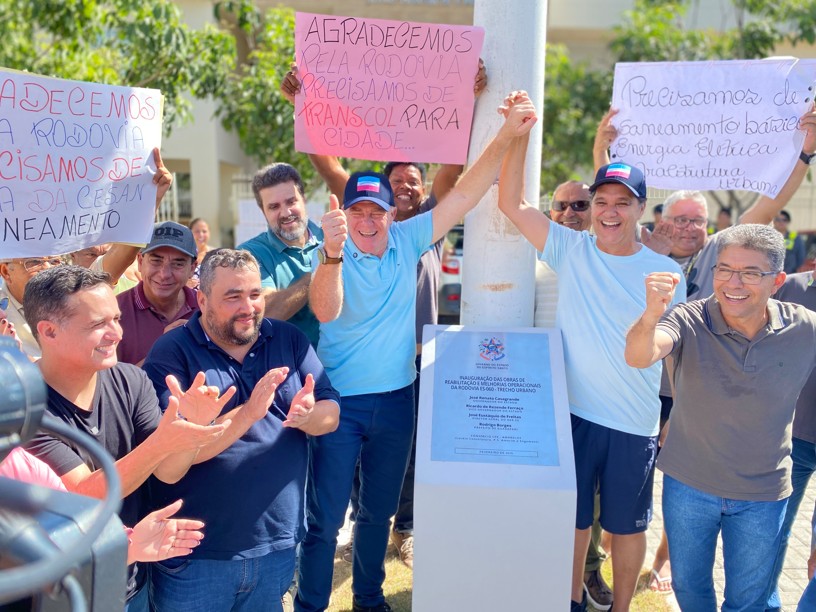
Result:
[{"x": 620, "y": 466}]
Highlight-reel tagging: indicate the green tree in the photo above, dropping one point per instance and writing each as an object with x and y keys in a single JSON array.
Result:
[
  {"x": 657, "y": 30},
  {"x": 251, "y": 103},
  {"x": 117, "y": 42},
  {"x": 575, "y": 98}
]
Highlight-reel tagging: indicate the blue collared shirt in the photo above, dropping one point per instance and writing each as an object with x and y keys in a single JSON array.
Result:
[{"x": 371, "y": 346}]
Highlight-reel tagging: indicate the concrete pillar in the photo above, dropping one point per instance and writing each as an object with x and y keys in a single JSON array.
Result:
[{"x": 498, "y": 281}]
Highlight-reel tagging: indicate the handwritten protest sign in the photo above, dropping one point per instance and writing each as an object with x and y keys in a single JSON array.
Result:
[
  {"x": 712, "y": 125},
  {"x": 385, "y": 90},
  {"x": 76, "y": 164}
]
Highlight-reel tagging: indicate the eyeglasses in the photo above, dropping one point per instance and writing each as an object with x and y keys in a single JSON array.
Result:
[
  {"x": 681, "y": 222},
  {"x": 35, "y": 265},
  {"x": 747, "y": 277},
  {"x": 577, "y": 205}
]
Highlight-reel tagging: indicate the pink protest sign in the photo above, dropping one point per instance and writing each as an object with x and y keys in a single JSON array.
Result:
[{"x": 385, "y": 90}]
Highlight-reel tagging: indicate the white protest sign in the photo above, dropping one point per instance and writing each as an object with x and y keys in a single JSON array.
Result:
[
  {"x": 712, "y": 125},
  {"x": 76, "y": 164}
]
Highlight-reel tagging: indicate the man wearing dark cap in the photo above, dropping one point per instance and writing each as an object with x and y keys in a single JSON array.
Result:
[
  {"x": 615, "y": 409},
  {"x": 161, "y": 300},
  {"x": 363, "y": 292}
]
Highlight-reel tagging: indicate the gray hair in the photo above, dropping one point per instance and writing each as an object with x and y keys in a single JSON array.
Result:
[
  {"x": 223, "y": 258},
  {"x": 275, "y": 174},
  {"x": 755, "y": 237},
  {"x": 684, "y": 194},
  {"x": 47, "y": 293}
]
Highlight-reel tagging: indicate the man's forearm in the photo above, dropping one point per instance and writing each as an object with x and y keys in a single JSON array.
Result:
[
  {"x": 641, "y": 347},
  {"x": 133, "y": 469},
  {"x": 600, "y": 154},
  {"x": 471, "y": 187},
  {"x": 326, "y": 292},
  {"x": 332, "y": 172},
  {"x": 175, "y": 466},
  {"x": 765, "y": 208},
  {"x": 118, "y": 259},
  {"x": 283, "y": 304},
  {"x": 445, "y": 180},
  {"x": 240, "y": 422}
]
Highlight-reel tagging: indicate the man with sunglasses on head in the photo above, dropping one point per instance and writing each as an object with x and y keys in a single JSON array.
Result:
[{"x": 740, "y": 362}]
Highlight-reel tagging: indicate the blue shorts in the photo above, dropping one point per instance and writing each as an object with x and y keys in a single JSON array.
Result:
[{"x": 621, "y": 466}]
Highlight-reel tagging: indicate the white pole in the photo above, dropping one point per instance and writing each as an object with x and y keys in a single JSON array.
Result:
[{"x": 498, "y": 280}]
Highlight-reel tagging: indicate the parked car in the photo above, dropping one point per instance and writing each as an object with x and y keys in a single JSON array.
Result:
[{"x": 450, "y": 279}]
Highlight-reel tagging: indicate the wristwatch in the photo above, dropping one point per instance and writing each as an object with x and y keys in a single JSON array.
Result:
[
  {"x": 807, "y": 157},
  {"x": 323, "y": 258}
]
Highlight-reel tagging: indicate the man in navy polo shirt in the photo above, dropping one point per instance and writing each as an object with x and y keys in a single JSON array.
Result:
[
  {"x": 363, "y": 292},
  {"x": 248, "y": 488}
]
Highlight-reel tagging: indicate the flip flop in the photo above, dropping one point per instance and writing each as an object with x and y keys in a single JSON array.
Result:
[{"x": 660, "y": 584}]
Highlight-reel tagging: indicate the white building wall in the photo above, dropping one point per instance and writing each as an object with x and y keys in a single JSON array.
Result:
[{"x": 207, "y": 151}]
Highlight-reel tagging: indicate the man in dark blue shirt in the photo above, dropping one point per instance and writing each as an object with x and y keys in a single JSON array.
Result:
[{"x": 248, "y": 487}]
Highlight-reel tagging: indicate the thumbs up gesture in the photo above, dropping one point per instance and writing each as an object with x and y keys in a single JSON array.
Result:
[{"x": 335, "y": 228}]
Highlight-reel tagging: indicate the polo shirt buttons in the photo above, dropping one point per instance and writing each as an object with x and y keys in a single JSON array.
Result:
[{"x": 252, "y": 354}]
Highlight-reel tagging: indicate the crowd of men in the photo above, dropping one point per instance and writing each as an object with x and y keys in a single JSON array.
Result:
[{"x": 260, "y": 396}]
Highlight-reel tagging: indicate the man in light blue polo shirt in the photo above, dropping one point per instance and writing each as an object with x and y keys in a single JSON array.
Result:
[
  {"x": 363, "y": 291},
  {"x": 284, "y": 251},
  {"x": 614, "y": 409}
]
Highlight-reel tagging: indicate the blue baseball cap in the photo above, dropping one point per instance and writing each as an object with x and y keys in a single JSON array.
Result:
[
  {"x": 624, "y": 174},
  {"x": 368, "y": 187}
]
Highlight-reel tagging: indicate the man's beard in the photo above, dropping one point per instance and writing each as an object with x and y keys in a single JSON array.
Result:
[
  {"x": 226, "y": 331},
  {"x": 294, "y": 234}
]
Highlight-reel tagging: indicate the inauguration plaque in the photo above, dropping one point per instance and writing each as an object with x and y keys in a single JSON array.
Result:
[{"x": 493, "y": 399}]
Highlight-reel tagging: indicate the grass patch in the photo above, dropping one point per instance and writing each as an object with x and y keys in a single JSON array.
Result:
[{"x": 399, "y": 583}]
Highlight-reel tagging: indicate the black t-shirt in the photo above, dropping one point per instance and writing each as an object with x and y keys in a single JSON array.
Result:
[{"x": 125, "y": 412}]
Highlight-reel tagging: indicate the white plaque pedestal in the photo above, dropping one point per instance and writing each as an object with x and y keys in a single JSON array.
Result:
[{"x": 494, "y": 501}]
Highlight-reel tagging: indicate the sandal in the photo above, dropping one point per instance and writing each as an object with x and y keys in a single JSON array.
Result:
[{"x": 659, "y": 584}]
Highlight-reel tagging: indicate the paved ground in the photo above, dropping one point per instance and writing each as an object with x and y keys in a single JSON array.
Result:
[{"x": 794, "y": 574}]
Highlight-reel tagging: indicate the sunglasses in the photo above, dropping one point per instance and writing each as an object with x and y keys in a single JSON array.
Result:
[
  {"x": 4, "y": 303},
  {"x": 577, "y": 205}
]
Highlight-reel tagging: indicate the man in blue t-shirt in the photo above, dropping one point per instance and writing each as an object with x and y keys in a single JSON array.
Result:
[
  {"x": 615, "y": 409},
  {"x": 364, "y": 294},
  {"x": 284, "y": 250},
  {"x": 248, "y": 487}
]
